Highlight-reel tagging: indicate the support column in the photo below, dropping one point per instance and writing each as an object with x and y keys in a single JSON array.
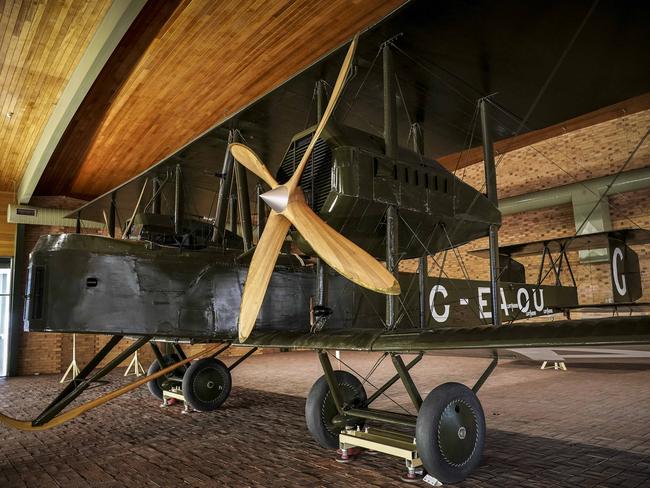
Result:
[
  {"x": 77, "y": 228},
  {"x": 17, "y": 301},
  {"x": 491, "y": 188}
]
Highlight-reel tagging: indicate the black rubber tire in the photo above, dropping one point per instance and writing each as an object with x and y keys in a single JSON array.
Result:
[
  {"x": 156, "y": 386},
  {"x": 206, "y": 384},
  {"x": 320, "y": 408},
  {"x": 450, "y": 432}
]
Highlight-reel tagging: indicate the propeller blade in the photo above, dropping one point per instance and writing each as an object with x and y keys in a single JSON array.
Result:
[
  {"x": 339, "y": 252},
  {"x": 336, "y": 92},
  {"x": 260, "y": 270},
  {"x": 252, "y": 162}
]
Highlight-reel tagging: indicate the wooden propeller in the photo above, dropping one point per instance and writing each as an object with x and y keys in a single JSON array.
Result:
[{"x": 289, "y": 207}]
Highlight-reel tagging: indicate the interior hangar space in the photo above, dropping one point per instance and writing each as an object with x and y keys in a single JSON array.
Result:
[{"x": 293, "y": 243}]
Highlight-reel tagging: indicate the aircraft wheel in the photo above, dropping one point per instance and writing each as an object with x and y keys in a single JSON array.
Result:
[
  {"x": 323, "y": 421},
  {"x": 450, "y": 432},
  {"x": 206, "y": 384},
  {"x": 156, "y": 386}
]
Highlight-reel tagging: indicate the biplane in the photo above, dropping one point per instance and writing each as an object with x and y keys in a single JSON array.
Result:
[{"x": 333, "y": 224}]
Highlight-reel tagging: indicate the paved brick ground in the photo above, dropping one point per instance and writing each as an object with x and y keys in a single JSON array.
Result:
[{"x": 584, "y": 427}]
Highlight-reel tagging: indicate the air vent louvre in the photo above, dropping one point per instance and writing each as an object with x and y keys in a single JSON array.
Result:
[{"x": 315, "y": 180}]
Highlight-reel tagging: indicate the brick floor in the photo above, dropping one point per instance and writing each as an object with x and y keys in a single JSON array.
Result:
[{"x": 589, "y": 426}]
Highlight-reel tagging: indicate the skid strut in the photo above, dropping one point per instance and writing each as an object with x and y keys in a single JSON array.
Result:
[{"x": 83, "y": 380}]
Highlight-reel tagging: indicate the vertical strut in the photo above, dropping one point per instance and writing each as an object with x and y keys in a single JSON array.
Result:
[
  {"x": 179, "y": 351},
  {"x": 423, "y": 272},
  {"x": 78, "y": 224},
  {"x": 261, "y": 210},
  {"x": 233, "y": 212},
  {"x": 390, "y": 104},
  {"x": 224, "y": 191},
  {"x": 392, "y": 303},
  {"x": 405, "y": 376},
  {"x": 331, "y": 380},
  {"x": 111, "y": 216},
  {"x": 158, "y": 354},
  {"x": 390, "y": 141},
  {"x": 178, "y": 201},
  {"x": 486, "y": 374},
  {"x": 155, "y": 196},
  {"x": 244, "y": 205},
  {"x": 491, "y": 187},
  {"x": 321, "y": 267}
]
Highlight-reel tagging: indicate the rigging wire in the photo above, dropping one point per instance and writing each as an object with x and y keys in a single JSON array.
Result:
[
  {"x": 368, "y": 381},
  {"x": 551, "y": 75}
]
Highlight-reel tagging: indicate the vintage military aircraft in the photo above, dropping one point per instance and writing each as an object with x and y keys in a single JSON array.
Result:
[{"x": 346, "y": 198}]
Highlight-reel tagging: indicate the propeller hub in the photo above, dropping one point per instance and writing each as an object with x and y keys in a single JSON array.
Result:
[{"x": 277, "y": 198}]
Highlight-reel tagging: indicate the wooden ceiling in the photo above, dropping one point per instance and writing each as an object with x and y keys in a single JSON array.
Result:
[
  {"x": 41, "y": 42},
  {"x": 183, "y": 67}
]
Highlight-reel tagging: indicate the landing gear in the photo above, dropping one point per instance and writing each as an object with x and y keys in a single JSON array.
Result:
[
  {"x": 202, "y": 386},
  {"x": 156, "y": 386},
  {"x": 449, "y": 427},
  {"x": 206, "y": 384},
  {"x": 450, "y": 432},
  {"x": 323, "y": 419}
]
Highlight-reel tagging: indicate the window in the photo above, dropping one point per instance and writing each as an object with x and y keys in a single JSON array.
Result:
[{"x": 5, "y": 307}]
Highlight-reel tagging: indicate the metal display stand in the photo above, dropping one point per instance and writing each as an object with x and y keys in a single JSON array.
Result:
[{"x": 73, "y": 369}]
